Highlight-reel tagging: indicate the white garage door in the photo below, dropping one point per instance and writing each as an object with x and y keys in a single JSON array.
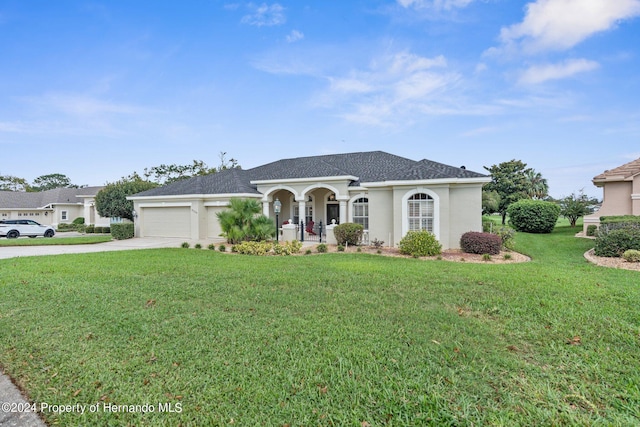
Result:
[
  {"x": 213, "y": 225},
  {"x": 167, "y": 222}
]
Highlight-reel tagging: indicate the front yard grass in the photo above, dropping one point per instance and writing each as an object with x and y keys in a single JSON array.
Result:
[{"x": 338, "y": 339}]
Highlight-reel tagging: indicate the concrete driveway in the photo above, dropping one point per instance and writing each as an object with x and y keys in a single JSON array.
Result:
[{"x": 116, "y": 245}]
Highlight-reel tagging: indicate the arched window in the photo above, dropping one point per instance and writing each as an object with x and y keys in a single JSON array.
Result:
[
  {"x": 361, "y": 212},
  {"x": 420, "y": 212}
]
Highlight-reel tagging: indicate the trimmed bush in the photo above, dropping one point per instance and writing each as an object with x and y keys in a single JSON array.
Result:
[
  {"x": 507, "y": 235},
  {"x": 287, "y": 248},
  {"x": 591, "y": 230},
  {"x": 420, "y": 243},
  {"x": 254, "y": 248},
  {"x": 198, "y": 246},
  {"x": 90, "y": 229},
  {"x": 211, "y": 247},
  {"x": 533, "y": 216},
  {"x": 614, "y": 243},
  {"x": 122, "y": 231},
  {"x": 480, "y": 243},
  {"x": 348, "y": 233},
  {"x": 79, "y": 220},
  {"x": 222, "y": 248},
  {"x": 321, "y": 248},
  {"x": 631, "y": 255},
  {"x": 185, "y": 245}
]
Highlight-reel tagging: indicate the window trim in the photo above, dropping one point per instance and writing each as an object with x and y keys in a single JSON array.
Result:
[
  {"x": 436, "y": 210},
  {"x": 352, "y": 208}
]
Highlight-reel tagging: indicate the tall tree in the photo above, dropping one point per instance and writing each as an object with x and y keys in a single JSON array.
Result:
[
  {"x": 509, "y": 180},
  {"x": 13, "y": 183},
  {"x": 577, "y": 205},
  {"x": 166, "y": 174},
  {"x": 112, "y": 201},
  {"x": 51, "y": 181},
  {"x": 538, "y": 186}
]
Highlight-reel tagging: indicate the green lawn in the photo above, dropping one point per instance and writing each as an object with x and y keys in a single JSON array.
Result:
[
  {"x": 57, "y": 241},
  {"x": 334, "y": 339}
]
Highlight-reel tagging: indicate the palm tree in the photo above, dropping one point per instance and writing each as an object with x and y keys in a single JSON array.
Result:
[
  {"x": 537, "y": 187},
  {"x": 242, "y": 222}
]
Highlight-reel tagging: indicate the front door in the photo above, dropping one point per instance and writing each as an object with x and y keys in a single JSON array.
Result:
[{"x": 333, "y": 212}]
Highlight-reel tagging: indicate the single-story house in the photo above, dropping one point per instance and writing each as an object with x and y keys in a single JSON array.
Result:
[
  {"x": 621, "y": 192},
  {"x": 388, "y": 194},
  {"x": 52, "y": 207}
]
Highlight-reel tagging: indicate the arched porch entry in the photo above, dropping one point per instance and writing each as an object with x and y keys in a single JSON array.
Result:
[{"x": 313, "y": 205}]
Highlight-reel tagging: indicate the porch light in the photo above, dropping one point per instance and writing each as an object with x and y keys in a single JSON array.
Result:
[
  {"x": 134, "y": 213},
  {"x": 276, "y": 208}
]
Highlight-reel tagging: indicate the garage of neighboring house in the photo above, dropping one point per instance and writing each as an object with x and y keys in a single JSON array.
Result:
[{"x": 166, "y": 221}]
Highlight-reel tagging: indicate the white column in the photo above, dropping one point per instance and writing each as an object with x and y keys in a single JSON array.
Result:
[
  {"x": 343, "y": 211},
  {"x": 302, "y": 211},
  {"x": 265, "y": 208}
]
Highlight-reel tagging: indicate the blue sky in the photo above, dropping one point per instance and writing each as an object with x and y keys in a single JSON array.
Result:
[{"x": 98, "y": 90}]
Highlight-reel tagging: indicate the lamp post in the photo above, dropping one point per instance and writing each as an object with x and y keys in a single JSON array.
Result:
[{"x": 276, "y": 208}]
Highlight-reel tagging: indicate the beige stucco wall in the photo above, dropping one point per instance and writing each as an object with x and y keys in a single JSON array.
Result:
[
  {"x": 381, "y": 215},
  {"x": 616, "y": 200}
]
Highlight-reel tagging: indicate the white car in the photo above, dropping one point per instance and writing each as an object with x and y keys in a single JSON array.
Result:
[{"x": 14, "y": 228}]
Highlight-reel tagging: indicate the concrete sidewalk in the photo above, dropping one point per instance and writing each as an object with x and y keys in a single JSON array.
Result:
[{"x": 10, "y": 397}]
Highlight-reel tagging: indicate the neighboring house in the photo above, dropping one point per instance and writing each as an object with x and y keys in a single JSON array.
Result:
[
  {"x": 389, "y": 195},
  {"x": 52, "y": 207},
  {"x": 621, "y": 192}
]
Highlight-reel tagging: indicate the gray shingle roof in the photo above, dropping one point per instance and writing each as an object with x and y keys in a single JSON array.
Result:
[
  {"x": 371, "y": 166},
  {"x": 22, "y": 200}
]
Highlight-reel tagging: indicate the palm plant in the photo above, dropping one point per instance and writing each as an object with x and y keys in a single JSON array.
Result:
[
  {"x": 243, "y": 222},
  {"x": 537, "y": 186}
]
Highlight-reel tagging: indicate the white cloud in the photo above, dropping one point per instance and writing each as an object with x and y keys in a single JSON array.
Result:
[
  {"x": 393, "y": 89},
  {"x": 294, "y": 36},
  {"x": 264, "y": 15},
  {"x": 542, "y": 73},
  {"x": 562, "y": 24},
  {"x": 434, "y": 4}
]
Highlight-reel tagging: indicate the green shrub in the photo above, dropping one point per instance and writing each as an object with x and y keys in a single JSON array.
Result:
[
  {"x": 106, "y": 230},
  {"x": 487, "y": 225},
  {"x": 340, "y": 248},
  {"x": 533, "y": 216},
  {"x": 348, "y": 233},
  {"x": 98, "y": 230},
  {"x": 591, "y": 230},
  {"x": 287, "y": 248},
  {"x": 185, "y": 245},
  {"x": 79, "y": 220},
  {"x": 222, "y": 248},
  {"x": 507, "y": 257},
  {"x": 198, "y": 246},
  {"x": 631, "y": 255},
  {"x": 614, "y": 243},
  {"x": 321, "y": 248},
  {"x": 619, "y": 218},
  {"x": 480, "y": 243},
  {"x": 308, "y": 252},
  {"x": 90, "y": 229},
  {"x": 420, "y": 243},
  {"x": 211, "y": 247},
  {"x": 486, "y": 257},
  {"x": 254, "y": 248},
  {"x": 507, "y": 235},
  {"x": 122, "y": 231}
]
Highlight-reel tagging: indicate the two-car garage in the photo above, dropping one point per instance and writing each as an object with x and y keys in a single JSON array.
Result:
[
  {"x": 191, "y": 220},
  {"x": 169, "y": 221}
]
